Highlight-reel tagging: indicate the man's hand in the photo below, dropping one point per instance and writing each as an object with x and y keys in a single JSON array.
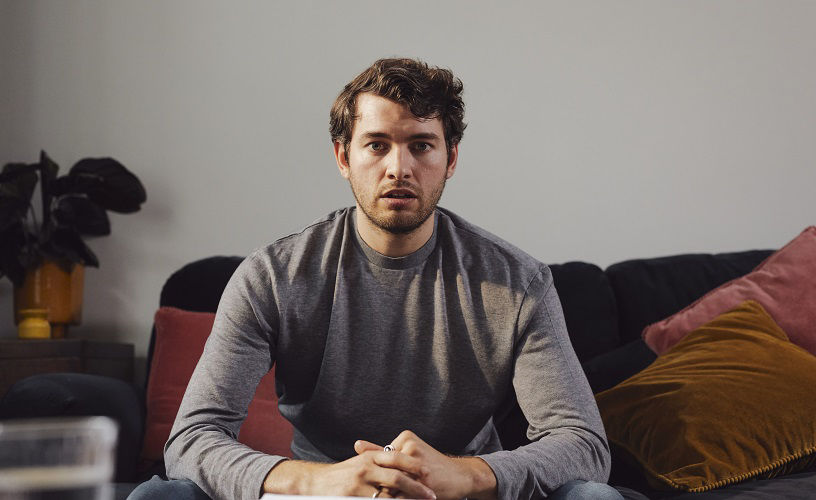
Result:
[
  {"x": 449, "y": 477},
  {"x": 361, "y": 476}
]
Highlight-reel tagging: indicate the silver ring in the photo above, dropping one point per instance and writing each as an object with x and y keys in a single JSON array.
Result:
[{"x": 388, "y": 447}]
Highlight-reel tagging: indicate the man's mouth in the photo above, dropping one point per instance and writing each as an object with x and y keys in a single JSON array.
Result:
[{"x": 399, "y": 194}]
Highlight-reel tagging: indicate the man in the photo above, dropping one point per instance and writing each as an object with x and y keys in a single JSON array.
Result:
[{"x": 395, "y": 323}]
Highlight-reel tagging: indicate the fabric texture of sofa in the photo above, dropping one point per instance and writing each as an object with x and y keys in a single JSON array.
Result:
[{"x": 605, "y": 310}]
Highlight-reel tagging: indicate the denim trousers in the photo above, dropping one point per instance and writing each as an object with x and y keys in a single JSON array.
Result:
[{"x": 182, "y": 489}]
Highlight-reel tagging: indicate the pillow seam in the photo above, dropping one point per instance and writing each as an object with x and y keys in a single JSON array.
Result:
[
  {"x": 755, "y": 472},
  {"x": 722, "y": 482}
]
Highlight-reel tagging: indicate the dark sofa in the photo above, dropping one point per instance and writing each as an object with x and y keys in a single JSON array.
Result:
[{"x": 605, "y": 312}]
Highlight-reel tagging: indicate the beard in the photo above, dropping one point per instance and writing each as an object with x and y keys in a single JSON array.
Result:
[{"x": 398, "y": 221}]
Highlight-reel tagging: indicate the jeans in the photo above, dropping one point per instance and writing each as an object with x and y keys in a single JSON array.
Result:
[
  {"x": 183, "y": 489},
  {"x": 576, "y": 490},
  {"x": 176, "y": 489}
]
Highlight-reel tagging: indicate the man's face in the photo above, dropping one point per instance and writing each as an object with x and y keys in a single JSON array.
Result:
[{"x": 397, "y": 164}]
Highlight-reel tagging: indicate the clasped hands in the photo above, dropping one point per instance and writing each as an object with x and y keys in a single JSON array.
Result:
[{"x": 413, "y": 470}]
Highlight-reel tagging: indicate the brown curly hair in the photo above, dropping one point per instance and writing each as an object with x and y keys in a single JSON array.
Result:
[{"x": 429, "y": 92}]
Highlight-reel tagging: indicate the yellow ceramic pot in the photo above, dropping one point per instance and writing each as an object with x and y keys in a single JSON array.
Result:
[{"x": 56, "y": 290}]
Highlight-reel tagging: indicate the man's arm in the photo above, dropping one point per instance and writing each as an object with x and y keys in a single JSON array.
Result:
[
  {"x": 565, "y": 426},
  {"x": 202, "y": 446}
]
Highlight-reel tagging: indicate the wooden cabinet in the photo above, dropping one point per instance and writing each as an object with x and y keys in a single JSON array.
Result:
[{"x": 21, "y": 358}]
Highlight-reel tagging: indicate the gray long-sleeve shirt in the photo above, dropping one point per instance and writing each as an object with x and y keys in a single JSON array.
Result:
[{"x": 366, "y": 346}]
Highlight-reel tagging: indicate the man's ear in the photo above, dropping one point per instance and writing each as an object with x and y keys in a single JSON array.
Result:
[
  {"x": 342, "y": 159},
  {"x": 453, "y": 155}
]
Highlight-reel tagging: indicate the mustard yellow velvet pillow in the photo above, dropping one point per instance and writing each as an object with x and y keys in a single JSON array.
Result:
[{"x": 733, "y": 400}]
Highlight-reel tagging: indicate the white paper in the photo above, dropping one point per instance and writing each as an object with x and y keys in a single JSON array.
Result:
[{"x": 270, "y": 496}]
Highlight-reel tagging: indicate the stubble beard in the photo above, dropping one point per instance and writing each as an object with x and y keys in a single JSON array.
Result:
[{"x": 397, "y": 222}]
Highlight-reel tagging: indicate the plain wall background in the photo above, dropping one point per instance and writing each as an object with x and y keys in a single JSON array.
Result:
[{"x": 598, "y": 131}]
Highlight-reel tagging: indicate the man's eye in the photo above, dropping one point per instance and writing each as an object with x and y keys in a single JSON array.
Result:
[
  {"x": 422, "y": 146},
  {"x": 377, "y": 146}
]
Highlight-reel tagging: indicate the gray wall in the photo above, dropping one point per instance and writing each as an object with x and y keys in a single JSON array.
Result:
[{"x": 598, "y": 131}]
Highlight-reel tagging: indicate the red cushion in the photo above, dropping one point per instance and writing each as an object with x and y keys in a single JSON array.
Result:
[
  {"x": 785, "y": 285},
  {"x": 180, "y": 338}
]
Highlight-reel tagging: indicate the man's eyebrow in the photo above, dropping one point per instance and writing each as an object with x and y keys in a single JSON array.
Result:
[
  {"x": 375, "y": 135},
  {"x": 428, "y": 136}
]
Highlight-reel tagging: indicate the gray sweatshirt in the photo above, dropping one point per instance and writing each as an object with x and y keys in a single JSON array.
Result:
[{"x": 366, "y": 346}]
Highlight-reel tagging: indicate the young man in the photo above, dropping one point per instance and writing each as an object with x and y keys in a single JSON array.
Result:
[{"x": 395, "y": 323}]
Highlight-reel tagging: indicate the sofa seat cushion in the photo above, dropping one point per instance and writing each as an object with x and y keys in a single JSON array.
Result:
[
  {"x": 732, "y": 401},
  {"x": 800, "y": 486},
  {"x": 180, "y": 339}
]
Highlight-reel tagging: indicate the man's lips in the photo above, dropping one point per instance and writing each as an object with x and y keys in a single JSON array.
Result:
[
  {"x": 398, "y": 194},
  {"x": 399, "y": 198}
]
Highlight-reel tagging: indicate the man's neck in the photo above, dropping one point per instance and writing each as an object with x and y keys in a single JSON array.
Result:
[{"x": 390, "y": 244}]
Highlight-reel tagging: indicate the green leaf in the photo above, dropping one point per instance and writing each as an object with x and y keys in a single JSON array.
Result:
[
  {"x": 48, "y": 172},
  {"x": 12, "y": 248},
  {"x": 85, "y": 216},
  {"x": 68, "y": 184},
  {"x": 109, "y": 184},
  {"x": 18, "y": 179},
  {"x": 49, "y": 167},
  {"x": 17, "y": 183},
  {"x": 12, "y": 211},
  {"x": 65, "y": 243}
]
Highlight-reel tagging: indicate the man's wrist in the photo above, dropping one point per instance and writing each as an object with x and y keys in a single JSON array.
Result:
[
  {"x": 288, "y": 477},
  {"x": 483, "y": 484}
]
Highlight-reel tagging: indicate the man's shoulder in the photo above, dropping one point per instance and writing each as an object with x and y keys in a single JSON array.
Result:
[
  {"x": 310, "y": 240},
  {"x": 477, "y": 245},
  {"x": 319, "y": 228}
]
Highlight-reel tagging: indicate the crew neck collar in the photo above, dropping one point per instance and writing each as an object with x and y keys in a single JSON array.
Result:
[{"x": 404, "y": 262}]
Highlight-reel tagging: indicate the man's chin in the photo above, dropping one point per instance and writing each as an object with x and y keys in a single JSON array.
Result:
[
  {"x": 400, "y": 226},
  {"x": 401, "y": 223},
  {"x": 404, "y": 229}
]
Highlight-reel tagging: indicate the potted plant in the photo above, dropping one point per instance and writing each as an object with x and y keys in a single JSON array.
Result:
[{"x": 45, "y": 259}]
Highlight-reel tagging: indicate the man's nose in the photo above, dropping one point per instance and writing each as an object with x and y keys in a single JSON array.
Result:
[{"x": 399, "y": 164}]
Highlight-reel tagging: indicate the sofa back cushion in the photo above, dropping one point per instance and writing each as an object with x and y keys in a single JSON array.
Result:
[
  {"x": 784, "y": 283},
  {"x": 648, "y": 290},
  {"x": 589, "y": 308},
  {"x": 197, "y": 286}
]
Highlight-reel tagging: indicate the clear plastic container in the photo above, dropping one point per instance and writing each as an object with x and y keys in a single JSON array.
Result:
[{"x": 66, "y": 459}]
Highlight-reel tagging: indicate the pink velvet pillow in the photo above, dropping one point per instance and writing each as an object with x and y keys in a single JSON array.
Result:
[
  {"x": 180, "y": 338},
  {"x": 784, "y": 283}
]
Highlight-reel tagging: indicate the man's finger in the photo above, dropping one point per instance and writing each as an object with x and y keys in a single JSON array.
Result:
[
  {"x": 387, "y": 493},
  {"x": 398, "y": 481},
  {"x": 410, "y": 444},
  {"x": 397, "y": 460},
  {"x": 361, "y": 446}
]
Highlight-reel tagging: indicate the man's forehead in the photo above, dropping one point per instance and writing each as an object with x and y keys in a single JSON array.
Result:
[{"x": 377, "y": 115}]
